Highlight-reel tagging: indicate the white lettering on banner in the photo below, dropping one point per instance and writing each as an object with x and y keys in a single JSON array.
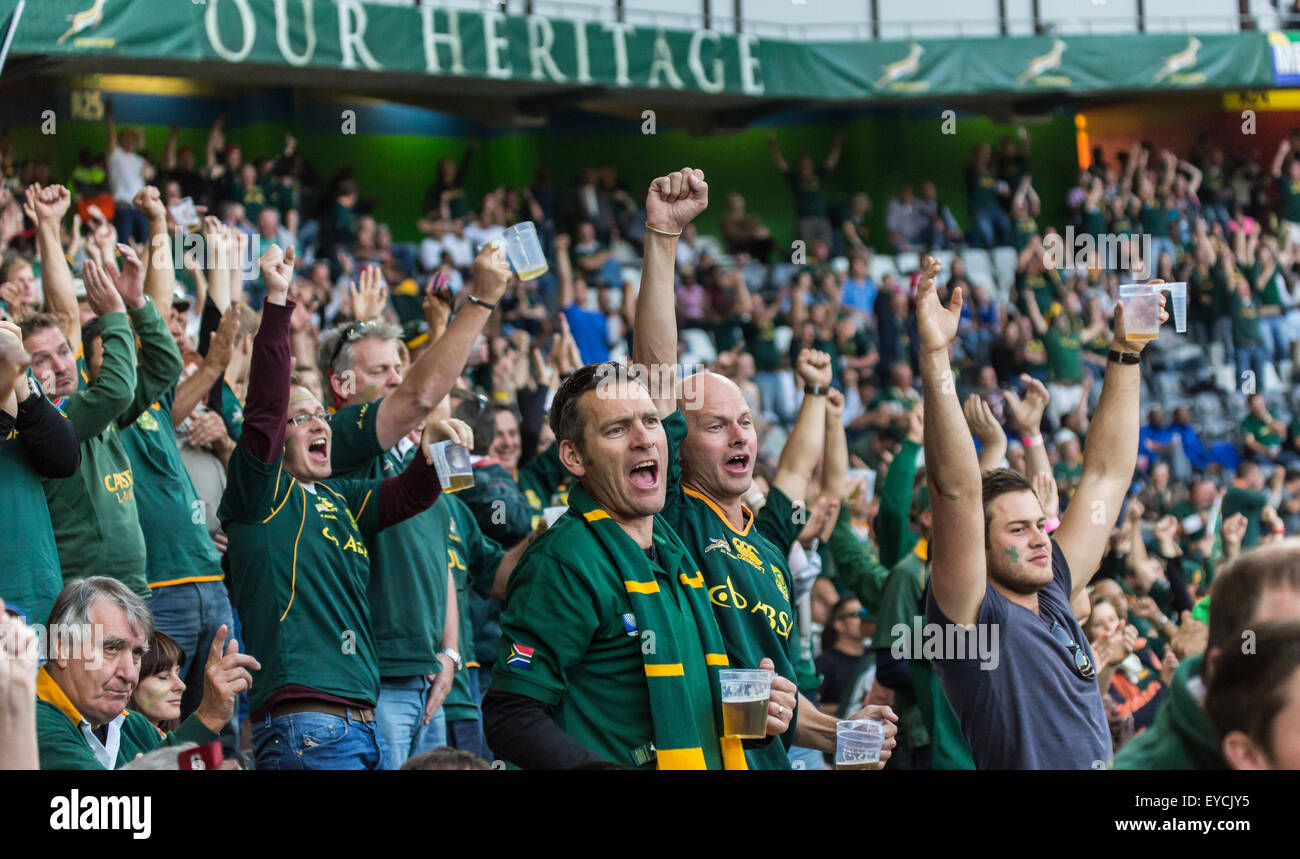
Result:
[
  {"x": 214, "y": 37},
  {"x": 580, "y": 48},
  {"x": 619, "y": 33},
  {"x": 282, "y": 33},
  {"x": 541, "y": 37},
  {"x": 749, "y": 67},
  {"x": 663, "y": 62},
  {"x": 492, "y": 43},
  {"x": 432, "y": 39},
  {"x": 696, "y": 65},
  {"x": 351, "y": 40},
  {"x": 296, "y": 41}
]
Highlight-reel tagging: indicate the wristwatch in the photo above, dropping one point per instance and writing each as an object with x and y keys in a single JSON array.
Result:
[
  {"x": 816, "y": 390},
  {"x": 1123, "y": 357},
  {"x": 457, "y": 663}
]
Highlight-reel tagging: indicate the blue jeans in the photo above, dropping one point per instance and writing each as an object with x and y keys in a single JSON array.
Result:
[
  {"x": 1251, "y": 356},
  {"x": 806, "y": 759},
  {"x": 192, "y": 613},
  {"x": 992, "y": 227},
  {"x": 467, "y": 734},
  {"x": 316, "y": 741},
  {"x": 1277, "y": 338},
  {"x": 771, "y": 390},
  {"x": 400, "y": 717}
]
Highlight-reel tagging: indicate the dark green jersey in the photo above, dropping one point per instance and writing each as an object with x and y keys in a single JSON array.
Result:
[
  {"x": 1245, "y": 322},
  {"x": 746, "y": 573},
  {"x": 299, "y": 569},
  {"x": 94, "y": 514},
  {"x": 1181, "y": 738},
  {"x": 1250, "y": 504},
  {"x": 232, "y": 411},
  {"x": 1064, "y": 353},
  {"x": 1290, "y": 189},
  {"x": 760, "y": 341},
  {"x": 473, "y": 558},
  {"x": 1262, "y": 430},
  {"x": 30, "y": 577},
  {"x": 408, "y": 561},
  {"x": 569, "y": 639},
  {"x": 171, "y": 515}
]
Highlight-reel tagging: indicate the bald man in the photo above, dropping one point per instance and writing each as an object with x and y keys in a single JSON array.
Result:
[{"x": 712, "y": 446}]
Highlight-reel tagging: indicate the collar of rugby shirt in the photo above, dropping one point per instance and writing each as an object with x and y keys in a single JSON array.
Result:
[{"x": 49, "y": 691}]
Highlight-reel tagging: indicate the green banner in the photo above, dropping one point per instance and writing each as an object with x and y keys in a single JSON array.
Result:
[{"x": 351, "y": 35}]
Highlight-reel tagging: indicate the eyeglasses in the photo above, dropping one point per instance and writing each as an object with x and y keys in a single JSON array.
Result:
[
  {"x": 322, "y": 416},
  {"x": 1082, "y": 663}
]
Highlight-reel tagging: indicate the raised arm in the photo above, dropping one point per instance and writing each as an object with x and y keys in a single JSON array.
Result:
[
  {"x": 434, "y": 375},
  {"x": 94, "y": 409},
  {"x": 979, "y": 417},
  {"x": 564, "y": 270},
  {"x": 837, "y": 147},
  {"x": 958, "y": 574},
  {"x": 160, "y": 274},
  {"x": 1028, "y": 414},
  {"x": 266, "y": 407},
  {"x": 777, "y": 158},
  {"x": 804, "y": 446},
  {"x": 192, "y": 390},
  {"x": 1279, "y": 158},
  {"x": 672, "y": 202},
  {"x": 1109, "y": 457},
  {"x": 50, "y": 205},
  {"x": 159, "y": 364}
]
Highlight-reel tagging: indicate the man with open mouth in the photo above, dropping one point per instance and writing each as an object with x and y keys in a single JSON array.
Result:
[
  {"x": 609, "y": 648},
  {"x": 300, "y": 542},
  {"x": 712, "y": 444}
]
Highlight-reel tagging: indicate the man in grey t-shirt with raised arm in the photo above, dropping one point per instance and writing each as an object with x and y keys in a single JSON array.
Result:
[{"x": 1022, "y": 681}]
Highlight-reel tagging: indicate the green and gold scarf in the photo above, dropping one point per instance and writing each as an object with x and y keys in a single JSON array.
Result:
[{"x": 677, "y": 741}]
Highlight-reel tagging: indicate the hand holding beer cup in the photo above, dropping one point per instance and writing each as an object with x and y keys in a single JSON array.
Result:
[
  {"x": 781, "y": 703},
  {"x": 889, "y": 718}
]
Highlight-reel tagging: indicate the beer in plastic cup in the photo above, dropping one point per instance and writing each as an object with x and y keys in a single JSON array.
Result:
[
  {"x": 451, "y": 461},
  {"x": 1142, "y": 308},
  {"x": 745, "y": 693},
  {"x": 858, "y": 743},
  {"x": 524, "y": 250}
]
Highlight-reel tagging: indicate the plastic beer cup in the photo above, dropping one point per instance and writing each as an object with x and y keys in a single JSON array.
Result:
[
  {"x": 524, "y": 251},
  {"x": 745, "y": 693},
  {"x": 858, "y": 743}
]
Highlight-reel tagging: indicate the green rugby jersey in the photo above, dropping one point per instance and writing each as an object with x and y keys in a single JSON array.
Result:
[
  {"x": 474, "y": 558},
  {"x": 171, "y": 515},
  {"x": 565, "y": 641},
  {"x": 409, "y": 561},
  {"x": 747, "y": 575},
  {"x": 299, "y": 569}
]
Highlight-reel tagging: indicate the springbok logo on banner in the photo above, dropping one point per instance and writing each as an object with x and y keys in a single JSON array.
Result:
[{"x": 87, "y": 20}]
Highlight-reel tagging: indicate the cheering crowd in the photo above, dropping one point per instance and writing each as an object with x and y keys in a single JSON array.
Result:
[{"x": 686, "y": 459}]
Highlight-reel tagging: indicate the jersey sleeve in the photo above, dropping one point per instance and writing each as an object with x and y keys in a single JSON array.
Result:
[
  {"x": 548, "y": 623},
  {"x": 674, "y": 500},
  {"x": 254, "y": 489},
  {"x": 354, "y": 437},
  {"x": 776, "y": 521},
  {"x": 483, "y": 554}
]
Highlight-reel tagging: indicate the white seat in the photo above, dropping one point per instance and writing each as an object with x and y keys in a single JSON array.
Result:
[
  {"x": 631, "y": 273},
  {"x": 1004, "y": 267},
  {"x": 907, "y": 262},
  {"x": 781, "y": 337},
  {"x": 699, "y": 346},
  {"x": 881, "y": 265},
  {"x": 979, "y": 267},
  {"x": 945, "y": 258}
]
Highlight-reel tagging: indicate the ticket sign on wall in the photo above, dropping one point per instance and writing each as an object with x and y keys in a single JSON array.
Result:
[{"x": 348, "y": 34}]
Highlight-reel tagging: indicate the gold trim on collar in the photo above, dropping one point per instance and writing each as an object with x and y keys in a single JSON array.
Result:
[
  {"x": 749, "y": 516},
  {"x": 49, "y": 691}
]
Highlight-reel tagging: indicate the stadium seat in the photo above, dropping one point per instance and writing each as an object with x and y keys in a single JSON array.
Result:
[
  {"x": 1004, "y": 267},
  {"x": 881, "y": 265},
  {"x": 907, "y": 262},
  {"x": 699, "y": 346},
  {"x": 979, "y": 268},
  {"x": 945, "y": 258},
  {"x": 781, "y": 337},
  {"x": 632, "y": 273}
]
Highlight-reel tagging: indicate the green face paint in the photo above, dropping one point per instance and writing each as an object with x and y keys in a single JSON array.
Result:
[{"x": 1013, "y": 554}]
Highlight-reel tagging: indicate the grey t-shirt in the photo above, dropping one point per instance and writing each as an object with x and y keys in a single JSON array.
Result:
[{"x": 1034, "y": 710}]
